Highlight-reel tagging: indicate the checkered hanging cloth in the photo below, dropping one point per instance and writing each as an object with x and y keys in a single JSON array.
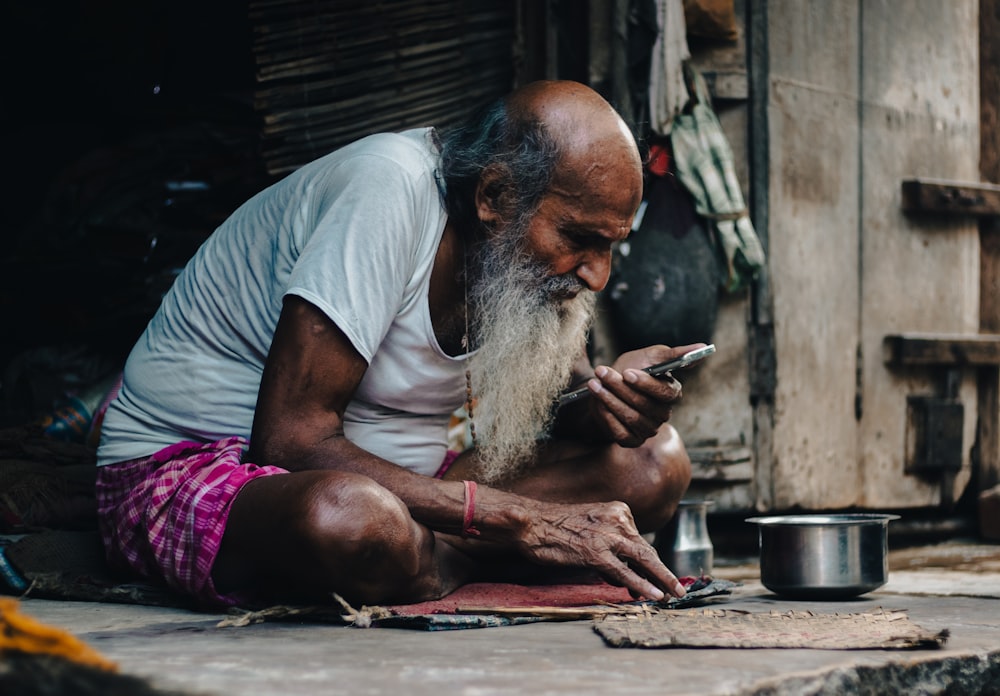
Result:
[{"x": 704, "y": 164}]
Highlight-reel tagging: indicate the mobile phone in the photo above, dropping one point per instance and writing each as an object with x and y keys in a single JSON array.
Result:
[
  {"x": 689, "y": 358},
  {"x": 659, "y": 370}
]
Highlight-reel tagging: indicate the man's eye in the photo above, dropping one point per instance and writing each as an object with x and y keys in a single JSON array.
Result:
[{"x": 583, "y": 241}]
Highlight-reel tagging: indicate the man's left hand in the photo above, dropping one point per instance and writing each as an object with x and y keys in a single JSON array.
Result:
[{"x": 630, "y": 404}]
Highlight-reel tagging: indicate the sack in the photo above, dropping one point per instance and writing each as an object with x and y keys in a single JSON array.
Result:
[
  {"x": 711, "y": 19},
  {"x": 665, "y": 289}
]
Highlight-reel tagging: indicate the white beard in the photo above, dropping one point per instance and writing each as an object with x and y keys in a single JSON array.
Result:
[{"x": 527, "y": 345}]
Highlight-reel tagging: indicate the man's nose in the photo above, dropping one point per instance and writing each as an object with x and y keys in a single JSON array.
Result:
[{"x": 595, "y": 270}]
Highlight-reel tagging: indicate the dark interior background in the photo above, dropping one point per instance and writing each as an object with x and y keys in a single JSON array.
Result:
[
  {"x": 128, "y": 133},
  {"x": 131, "y": 130}
]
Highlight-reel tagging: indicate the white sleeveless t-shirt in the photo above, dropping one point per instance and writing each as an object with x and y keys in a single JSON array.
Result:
[{"x": 355, "y": 233}]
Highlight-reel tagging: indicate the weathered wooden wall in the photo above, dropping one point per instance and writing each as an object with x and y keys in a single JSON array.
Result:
[{"x": 857, "y": 97}]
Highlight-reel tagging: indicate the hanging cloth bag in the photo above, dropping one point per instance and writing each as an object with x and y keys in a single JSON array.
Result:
[{"x": 704, "y": 165}]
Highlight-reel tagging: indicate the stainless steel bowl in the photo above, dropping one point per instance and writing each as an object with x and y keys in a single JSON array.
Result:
[{"x": 823, "y": 556}]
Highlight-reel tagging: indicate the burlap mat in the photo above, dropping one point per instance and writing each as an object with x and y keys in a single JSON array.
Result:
[
  {"x": 470, "y": 607},
  {"x": 727, "y": 628},
  {"x": 45, "y": 484},
  {"x": 66, "y": 564}
]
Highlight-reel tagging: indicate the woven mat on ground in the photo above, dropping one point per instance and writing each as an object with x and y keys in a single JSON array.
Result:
[
  {"x": 45, "y": 483},
  {"x": 481, "y": 605},
  {"x": 49, "y": 545},
  {"x": 69, "y": 564},
  {"x": 715, "y": 628}
]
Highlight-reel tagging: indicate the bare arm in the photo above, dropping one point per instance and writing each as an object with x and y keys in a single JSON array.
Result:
[{"x": 311, "y": 374}]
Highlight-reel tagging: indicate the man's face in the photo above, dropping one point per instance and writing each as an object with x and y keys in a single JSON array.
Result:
[
  {"x": 532, "y": 296},
  {"x": 573, "y": 230}
]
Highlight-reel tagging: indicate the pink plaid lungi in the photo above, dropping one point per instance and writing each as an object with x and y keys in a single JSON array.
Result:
[{"x": 163, "y": 516}]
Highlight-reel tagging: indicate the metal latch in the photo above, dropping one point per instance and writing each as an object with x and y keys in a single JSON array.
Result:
[{"x": 934, "y": 428}]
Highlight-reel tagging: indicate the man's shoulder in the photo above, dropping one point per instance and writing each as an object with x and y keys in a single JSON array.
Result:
[
  {"x": 413, "y": 147},
  {"x": 380, "y": 157}
]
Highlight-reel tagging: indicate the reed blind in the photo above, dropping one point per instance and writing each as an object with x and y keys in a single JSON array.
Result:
[{"x": 330, "y": 72}]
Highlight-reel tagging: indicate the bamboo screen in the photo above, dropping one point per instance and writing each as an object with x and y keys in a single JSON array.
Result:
[{"x": 330, "y": 72}]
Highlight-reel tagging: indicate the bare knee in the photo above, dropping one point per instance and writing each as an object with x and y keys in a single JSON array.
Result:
[
  {"x": 660, "y": 473},
  {"x": 366, "y": 544}
]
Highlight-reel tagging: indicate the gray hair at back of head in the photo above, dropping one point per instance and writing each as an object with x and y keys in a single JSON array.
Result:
[{"x": 520, "y": 149}]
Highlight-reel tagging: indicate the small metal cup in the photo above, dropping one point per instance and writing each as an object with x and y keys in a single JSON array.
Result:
[{"x": 684, "y": 545}]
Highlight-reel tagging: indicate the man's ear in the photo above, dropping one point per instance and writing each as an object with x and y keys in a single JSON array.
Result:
[{"x": 491, "y": 192}]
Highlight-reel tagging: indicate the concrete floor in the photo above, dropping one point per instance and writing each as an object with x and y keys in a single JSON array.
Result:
[{"x": 954, "y": 586}]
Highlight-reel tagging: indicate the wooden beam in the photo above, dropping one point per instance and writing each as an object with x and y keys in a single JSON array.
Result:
[
  {"x": 954, "y": 197},
  {"x": 721, "y": 464},
  {"x": 727, "y": 84},
  {"x": 988, "y": 379},
  {"x": 942, "y": 349}
]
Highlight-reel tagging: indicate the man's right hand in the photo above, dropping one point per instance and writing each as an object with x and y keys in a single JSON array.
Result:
[{"x": 599, "y": 536}]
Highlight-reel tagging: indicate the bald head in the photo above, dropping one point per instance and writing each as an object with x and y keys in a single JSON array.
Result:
[
  {"x": 546, "y": 134},
  {"x": 574, "y": 114},
  {"x": 590, "y": 136}
]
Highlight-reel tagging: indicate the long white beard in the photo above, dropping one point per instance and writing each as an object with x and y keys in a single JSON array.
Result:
[{"x": 527, "y": 345}]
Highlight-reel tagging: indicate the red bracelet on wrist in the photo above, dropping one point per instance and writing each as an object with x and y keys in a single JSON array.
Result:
[{"x": 470, "y": 509}]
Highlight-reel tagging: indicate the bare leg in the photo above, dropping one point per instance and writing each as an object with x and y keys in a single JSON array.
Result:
[
  {"x": 305, "y": 535},
  {"x": 651, "y": 479}
]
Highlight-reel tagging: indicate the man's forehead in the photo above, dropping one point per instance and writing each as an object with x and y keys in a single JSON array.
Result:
[
  {"x": 617, "y": 192},
  {"x": 585, "y": 212}
]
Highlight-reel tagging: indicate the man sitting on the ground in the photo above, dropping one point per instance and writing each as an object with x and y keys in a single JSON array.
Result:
[{"x": 281, "y": 429}]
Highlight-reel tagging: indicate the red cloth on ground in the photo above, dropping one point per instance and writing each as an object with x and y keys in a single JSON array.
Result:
[{"x": 499, "y": 594}]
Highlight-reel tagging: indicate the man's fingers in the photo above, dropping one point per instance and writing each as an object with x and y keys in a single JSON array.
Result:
[
  {"x": 621, "y": 573},
  {"x": 637, "y": 566},
  {"x": 648, "y": 562},
  {"x": 637, "y": 585},
  {"x": 638, "y": 392},
  {"x": 631, "y": 424}
]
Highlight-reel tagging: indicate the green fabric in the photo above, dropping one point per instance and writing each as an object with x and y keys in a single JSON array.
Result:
[{"x": 704, "y": 164}]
